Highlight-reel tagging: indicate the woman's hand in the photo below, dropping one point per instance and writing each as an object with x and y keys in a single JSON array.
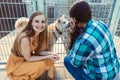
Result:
[
  {"x": 54, "y": 57},
  {"x": 50, "y": 55}
]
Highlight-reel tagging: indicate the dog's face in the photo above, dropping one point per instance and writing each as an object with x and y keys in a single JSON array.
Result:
[{"x": 62, "y": 23}]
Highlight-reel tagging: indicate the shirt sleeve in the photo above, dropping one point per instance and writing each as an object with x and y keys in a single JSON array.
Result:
[{"x": 79, "y": 54}]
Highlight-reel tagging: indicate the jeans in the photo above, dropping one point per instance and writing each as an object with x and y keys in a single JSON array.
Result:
[{"x": 77, "y": 73}]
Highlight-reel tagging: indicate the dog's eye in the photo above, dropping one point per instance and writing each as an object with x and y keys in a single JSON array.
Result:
[
  {"x": 64, "y": 22},
  {"x": 59, "y": 21}
]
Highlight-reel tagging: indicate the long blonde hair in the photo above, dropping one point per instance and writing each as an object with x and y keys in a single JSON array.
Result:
[{"x": 29, "y": 31}]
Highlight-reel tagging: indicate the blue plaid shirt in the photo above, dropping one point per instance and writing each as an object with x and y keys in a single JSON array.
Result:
[{"x": 94, "y": 51}]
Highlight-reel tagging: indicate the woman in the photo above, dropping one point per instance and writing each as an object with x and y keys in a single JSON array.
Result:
[
  {"x": 29, "y": 59},
  {"x": 92, "y": 54}
]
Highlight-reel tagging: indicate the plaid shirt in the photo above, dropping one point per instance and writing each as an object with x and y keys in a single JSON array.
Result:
[{"x": 94, "y": 51}]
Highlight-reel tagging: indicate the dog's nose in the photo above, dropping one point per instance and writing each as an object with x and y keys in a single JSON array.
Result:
[{"x": 68, "y": 24}]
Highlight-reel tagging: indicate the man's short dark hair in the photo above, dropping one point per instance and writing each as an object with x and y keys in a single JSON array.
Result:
[{"x": 81, "y": 11}]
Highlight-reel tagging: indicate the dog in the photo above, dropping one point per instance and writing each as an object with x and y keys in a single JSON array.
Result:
[{"x": 57, "y": 29}]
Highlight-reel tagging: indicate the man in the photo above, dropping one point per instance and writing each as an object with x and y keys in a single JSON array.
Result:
[{"x": 92, "y": 54}]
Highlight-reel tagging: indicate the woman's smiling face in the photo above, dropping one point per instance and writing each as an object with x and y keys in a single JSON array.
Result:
[{"x": 39, "y": 23}]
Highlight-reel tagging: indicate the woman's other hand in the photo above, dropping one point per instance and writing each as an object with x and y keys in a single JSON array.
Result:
[{"x": 54, "y": 57}]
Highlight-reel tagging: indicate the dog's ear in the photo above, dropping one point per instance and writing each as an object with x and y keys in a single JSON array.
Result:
[
  {"x": 62, "y": 17},
  {"x": 59, "y": 20}
]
